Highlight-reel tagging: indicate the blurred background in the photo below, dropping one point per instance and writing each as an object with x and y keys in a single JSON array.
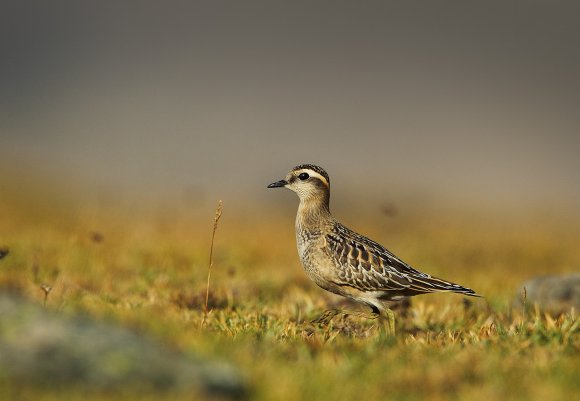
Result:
[{"x": 475, "y": 104}]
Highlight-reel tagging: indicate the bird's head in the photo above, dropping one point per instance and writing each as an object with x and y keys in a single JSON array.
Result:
[{"x": 310, "y": 182}]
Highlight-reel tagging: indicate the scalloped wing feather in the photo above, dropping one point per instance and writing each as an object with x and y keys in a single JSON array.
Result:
[{"x": 366, "y": 265}]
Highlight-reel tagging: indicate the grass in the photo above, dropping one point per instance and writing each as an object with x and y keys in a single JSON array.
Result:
[
  {"x": 216, "y": 219},
  {"x": 149, "y": 270}
]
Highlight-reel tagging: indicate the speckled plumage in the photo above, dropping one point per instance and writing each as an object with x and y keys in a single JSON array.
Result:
[{"x": 347, "y": 263}]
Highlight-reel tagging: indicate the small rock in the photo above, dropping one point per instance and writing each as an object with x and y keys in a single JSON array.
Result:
[
  {"x": 42, "y": 348},
  {"x": 553, "y": 294}
]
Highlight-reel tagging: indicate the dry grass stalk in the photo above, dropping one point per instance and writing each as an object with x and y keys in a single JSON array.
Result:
[
  {"x": 218, "y": 214},
  {"x": 46, "y": 289}
]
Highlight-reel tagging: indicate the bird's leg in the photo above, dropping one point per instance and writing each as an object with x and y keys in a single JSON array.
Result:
[{"x": 390, "y": 317}]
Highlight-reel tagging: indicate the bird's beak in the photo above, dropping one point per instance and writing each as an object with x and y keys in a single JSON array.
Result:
[{"x": 278, "y": 184}]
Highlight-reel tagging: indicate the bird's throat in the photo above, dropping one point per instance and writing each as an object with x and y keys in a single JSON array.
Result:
[{"x": 312, "y": 213}]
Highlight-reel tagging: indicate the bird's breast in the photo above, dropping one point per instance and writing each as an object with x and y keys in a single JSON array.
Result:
[
  {"x": 307, "y": 243},
  {"x": 310, "y": 246}
]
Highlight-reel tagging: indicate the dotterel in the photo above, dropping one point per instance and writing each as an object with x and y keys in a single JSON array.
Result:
[{"x": 346, "y": 263}]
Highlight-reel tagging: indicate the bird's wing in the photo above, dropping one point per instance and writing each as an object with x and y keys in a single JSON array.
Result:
[{"x": 368, "y": 266}]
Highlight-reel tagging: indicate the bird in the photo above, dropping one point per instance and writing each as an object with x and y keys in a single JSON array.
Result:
[{"x": 346, "y": 263}]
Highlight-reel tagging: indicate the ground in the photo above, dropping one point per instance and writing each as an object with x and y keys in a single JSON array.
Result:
[{"x": 146, "y": 268}]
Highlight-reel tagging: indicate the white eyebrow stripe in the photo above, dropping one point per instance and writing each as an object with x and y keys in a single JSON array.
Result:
[{"x": 313, "y": 173}]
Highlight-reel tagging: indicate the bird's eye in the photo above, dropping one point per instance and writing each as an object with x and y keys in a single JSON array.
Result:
[{"x": 303, "y": 176}]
